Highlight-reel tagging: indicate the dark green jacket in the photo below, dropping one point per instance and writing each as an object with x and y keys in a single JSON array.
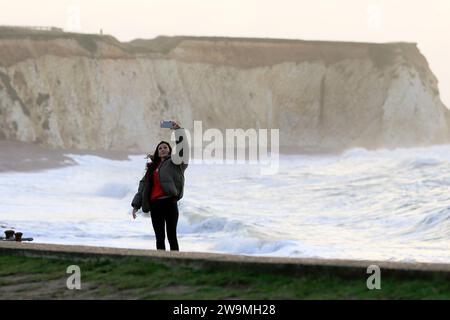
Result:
[{"x": 171, "y": 177}]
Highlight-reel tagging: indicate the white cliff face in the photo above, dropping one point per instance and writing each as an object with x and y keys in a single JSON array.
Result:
[
  {"x": 94, "y": 104},
  {"x": 320, "y": 95},
  {"x": 413, "y": 115}
]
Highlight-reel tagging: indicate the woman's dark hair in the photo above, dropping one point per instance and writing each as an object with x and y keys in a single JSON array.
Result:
[{"x": 151, "y": 166}]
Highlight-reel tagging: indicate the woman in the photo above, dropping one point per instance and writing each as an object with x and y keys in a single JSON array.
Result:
[{"x": 160, "y": 189}]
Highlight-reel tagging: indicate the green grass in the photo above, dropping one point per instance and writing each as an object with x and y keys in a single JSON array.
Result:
[{"x": 137, "y": 278}]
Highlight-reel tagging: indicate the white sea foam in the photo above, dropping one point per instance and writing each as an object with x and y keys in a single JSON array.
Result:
[{"x": 386, "y": 205}]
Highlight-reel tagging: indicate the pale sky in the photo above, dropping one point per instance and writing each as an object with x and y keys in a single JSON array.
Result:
[{"x": 424, "y": 22}]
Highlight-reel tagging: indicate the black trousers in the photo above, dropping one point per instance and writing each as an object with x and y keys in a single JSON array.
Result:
[{"x": 164, "y": 213}]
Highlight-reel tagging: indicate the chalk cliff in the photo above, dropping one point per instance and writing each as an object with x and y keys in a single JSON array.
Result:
[{"x": 94, "y": 92}]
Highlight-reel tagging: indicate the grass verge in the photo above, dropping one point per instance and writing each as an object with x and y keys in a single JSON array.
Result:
[{"x": 24, "y": 277}]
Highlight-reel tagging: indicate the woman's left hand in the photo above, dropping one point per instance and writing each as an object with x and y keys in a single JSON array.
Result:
[{"x": 175, "y": 125}]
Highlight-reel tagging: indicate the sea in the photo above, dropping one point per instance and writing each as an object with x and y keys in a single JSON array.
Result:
[{"x": 390, "y": 205}]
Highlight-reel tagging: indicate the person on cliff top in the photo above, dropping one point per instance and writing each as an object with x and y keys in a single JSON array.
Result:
[{"x": 162, "y": 187}]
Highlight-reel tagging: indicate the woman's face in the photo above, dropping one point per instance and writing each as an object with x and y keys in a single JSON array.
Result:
[{"x": 163, "y": 150}]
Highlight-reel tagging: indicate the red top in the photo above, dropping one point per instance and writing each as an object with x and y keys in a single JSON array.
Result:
[{"x": 157, "y": 190}]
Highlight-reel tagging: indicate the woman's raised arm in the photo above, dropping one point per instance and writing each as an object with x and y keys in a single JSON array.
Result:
[{"x": 181, "y": 155}]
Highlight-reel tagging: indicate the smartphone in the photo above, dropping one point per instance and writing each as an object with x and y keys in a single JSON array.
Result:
[{"x": 166, "y": 124}]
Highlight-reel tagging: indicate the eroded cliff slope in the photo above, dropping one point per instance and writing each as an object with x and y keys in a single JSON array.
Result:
[{"x": 94, "y": 92}]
